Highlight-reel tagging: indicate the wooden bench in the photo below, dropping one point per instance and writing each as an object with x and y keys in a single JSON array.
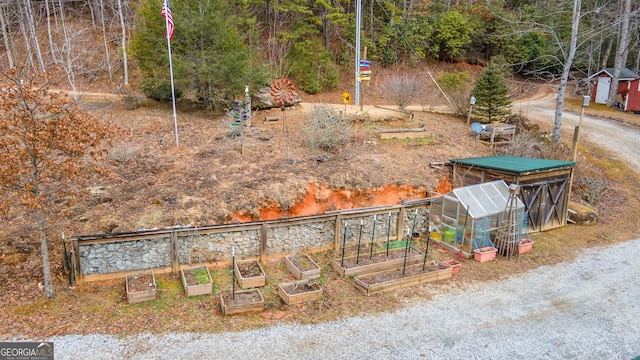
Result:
[
  {"x": 498, "y": 134},
  {"x": 268, "y": 119}
]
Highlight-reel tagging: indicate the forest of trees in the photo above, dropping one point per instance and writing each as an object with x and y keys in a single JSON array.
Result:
[{"x": 219, "y": 46}]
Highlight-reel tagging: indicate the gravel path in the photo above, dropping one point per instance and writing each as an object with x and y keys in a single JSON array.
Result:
[
  {"x": 587, "y": 309},
  {"x": 613, "y": 136}
]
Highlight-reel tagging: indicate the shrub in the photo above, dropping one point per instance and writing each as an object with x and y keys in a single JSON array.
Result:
[
  {"x": 455, "y": 85},
  {"x": 159, "y": 90},
  {"x": 589, "y": 183},
  {"x": 402, "y": 89},
  {"x": 326, "y": 128}
]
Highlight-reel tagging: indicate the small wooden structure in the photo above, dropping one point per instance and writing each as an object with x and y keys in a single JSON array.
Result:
[
  {"x": 415, "y": 133},
  {"x": 544, "y": 184},
  {"x": 390, "y": 280},
  {"x": 299, "y": 292},
  {"x": 498, "y": 134},
  {"x": 628, "y": 88}
]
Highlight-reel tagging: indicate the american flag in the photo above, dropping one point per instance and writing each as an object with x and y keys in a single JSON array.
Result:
[{"x": 166, "y": 13}]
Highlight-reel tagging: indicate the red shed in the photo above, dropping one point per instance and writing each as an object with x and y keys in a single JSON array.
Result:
[
  {"x": 628, "y": 88},
  {"x": 632, "y": 98}
]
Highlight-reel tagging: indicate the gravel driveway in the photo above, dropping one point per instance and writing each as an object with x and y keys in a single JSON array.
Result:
[{"x": 587, "y": 309}]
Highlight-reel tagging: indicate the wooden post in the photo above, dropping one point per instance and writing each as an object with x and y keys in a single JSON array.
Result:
[
  {"x": 336, "y": 235},
  {"x": 76, "y": 255},
  {"x": 263, "y": 242},
  {"x": 364, "y": 57},
  {"x": 400, "y": 223},
  {"x": 175, "y": 264}
]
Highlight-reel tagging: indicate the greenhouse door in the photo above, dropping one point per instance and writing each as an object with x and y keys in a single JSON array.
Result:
[{"x": 546, "y": 204}]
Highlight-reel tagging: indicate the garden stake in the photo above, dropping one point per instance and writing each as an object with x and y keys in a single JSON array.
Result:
[
  {"x": 233, "y": 273},
  {"x": 344, "y": 239},
  {"x": 373, "y": 234},
  {"x": 426, "y": 250},
  {"x": 359, "y": 238},
  {"x": 388, "y": 233},
  {"x": 404, "y": 265}
]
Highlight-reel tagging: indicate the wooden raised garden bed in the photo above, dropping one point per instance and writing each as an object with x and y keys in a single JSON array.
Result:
[
  {"x": 197, "y": 280},
  {"x": 302, "y": 267},
  {"x": 378, "y": 262},
  {"x": 244, "y": 301},
  {"x": 141, "y": 287},
  {"x": 416, "y": 133},
  {"x": 249, "y": 273},
  {"x": 299, "y": 292},
  {"x": 384, "y": 281}
]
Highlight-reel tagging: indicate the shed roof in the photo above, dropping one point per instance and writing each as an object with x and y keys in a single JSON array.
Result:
[
  {"x": 514, "y": 164},
  {"x": 626, "y": 74},
  {"x": 484, "y": 199}
]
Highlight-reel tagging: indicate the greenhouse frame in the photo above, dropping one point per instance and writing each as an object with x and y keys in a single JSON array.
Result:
[{"x": 468, "y": 217}]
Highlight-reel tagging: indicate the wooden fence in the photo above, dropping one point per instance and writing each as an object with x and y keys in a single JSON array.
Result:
[{"x": 107, "y": 256}]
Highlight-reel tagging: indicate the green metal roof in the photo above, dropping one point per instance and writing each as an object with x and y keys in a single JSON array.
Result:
[{"x": 514, "y": 164}]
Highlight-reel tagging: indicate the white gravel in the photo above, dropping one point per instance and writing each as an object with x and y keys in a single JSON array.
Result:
[{"x": 587, "y": 309}]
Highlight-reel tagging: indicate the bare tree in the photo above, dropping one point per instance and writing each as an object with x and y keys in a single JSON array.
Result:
[
  {"x": 124, "y": 43},
  {"x": 5, "y": 37},
  {"x": 48, "y": 146},
  {"x": 566, "y": 69},
  {"x": 104, "y": 40},
  {"x": 622, "y": 52},
  {"x": 46, "y": 4},
  {"x": 34, "y": 35}
]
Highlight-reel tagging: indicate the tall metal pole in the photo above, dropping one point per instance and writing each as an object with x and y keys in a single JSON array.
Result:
[
  {"x": 173, "y": 95},
  {"x": 357, "y": 68}
]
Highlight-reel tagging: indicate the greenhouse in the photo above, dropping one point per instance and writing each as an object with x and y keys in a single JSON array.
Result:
[{"x": 469, "y": 217}]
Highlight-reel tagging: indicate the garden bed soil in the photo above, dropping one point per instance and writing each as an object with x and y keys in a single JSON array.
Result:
[
  {"x": 299, "y": 292},
  {"x": 249, "y": 273},
  {"x": 197, "y": 281},
  {"x": 385, "y": 281},
  {"x": 379, "y": 261},
  {"x": 242, "y": 302},
  {"x": 302, "y": 266},
  {"x": 140, "y": 287}
]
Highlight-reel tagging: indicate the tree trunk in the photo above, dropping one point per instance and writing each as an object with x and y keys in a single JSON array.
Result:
[
  {"x": 25, "y": 37},
  {"x": 621, "y": 53},
  {"x": 124, "y": 44},
  {"x": 104, "y": 40},
  {"x": 49, "y": 287},
  {"x": 53, "y": 55},
  {"x": 607, "y": 53},
  {"x": 32, "y": 27},
  {"x": 5, "y": 37},
  {"x": 566, "y": 70}
]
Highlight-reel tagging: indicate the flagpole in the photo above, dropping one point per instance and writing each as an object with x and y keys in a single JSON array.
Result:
[{"x": 173, "y": 97}]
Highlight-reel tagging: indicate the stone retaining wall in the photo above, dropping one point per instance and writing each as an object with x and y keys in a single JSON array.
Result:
[
  {"x": 125, "y": 256},
  {"x": 117, "y": 253}
]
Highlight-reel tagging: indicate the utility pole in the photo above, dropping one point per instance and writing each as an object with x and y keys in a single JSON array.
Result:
[{"x": 357, "y": 67}]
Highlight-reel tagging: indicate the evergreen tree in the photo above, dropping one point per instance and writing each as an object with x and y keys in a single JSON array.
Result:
[
  {"x": 210, "y": 59},
  {"x": 492, "y": 101}
]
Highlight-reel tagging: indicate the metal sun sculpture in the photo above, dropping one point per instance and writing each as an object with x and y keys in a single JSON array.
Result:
[
  {"x": 346, "y": 98},
  {"x": 283, "y": 91}
]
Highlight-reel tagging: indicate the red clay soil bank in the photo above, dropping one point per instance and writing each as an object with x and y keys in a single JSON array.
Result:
[{"x": 320, "y": 199}]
